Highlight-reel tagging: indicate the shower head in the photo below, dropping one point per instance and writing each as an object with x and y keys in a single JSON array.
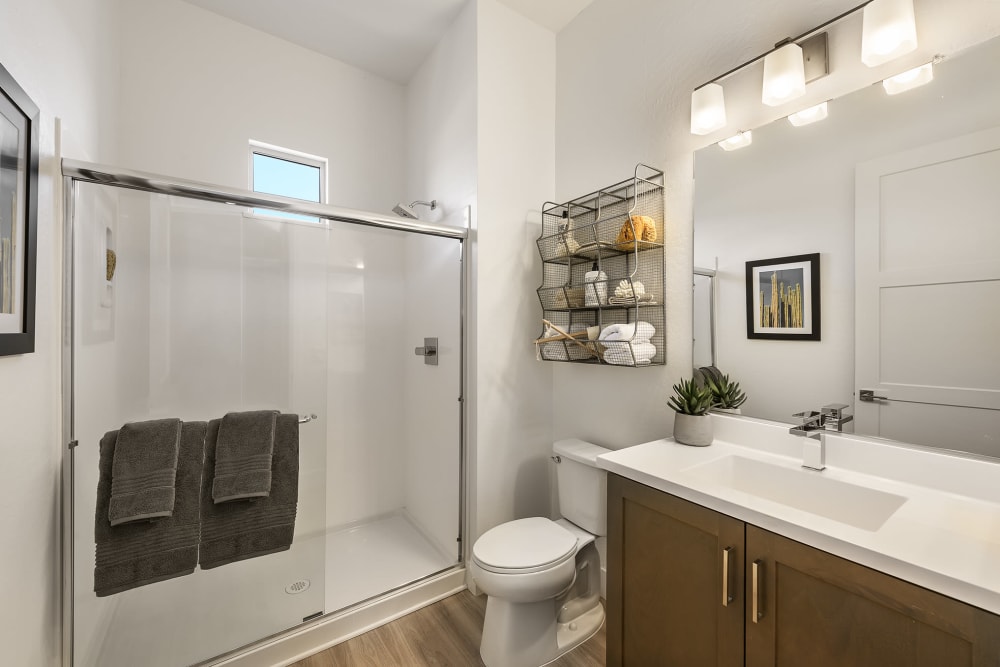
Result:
[{"x": 405, "y": 211}]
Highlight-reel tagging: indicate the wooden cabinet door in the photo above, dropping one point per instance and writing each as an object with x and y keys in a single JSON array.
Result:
[
  {"x": 820, "y": 610},
  {"x": 666, "y": 559}
]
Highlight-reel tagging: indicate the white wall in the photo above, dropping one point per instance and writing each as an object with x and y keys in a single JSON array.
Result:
[
  {"x": 651, "y": 54},
  {"x": 440, "y": 123},
  {"x": 196, "y": 87},
  {"x": 516, "y": 145},
  {"x": 64, "y": 55}
]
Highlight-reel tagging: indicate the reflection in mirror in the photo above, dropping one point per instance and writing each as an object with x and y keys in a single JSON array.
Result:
[
  {"x": 704, "y": 317},
  {"x": 899, "y": 196}
]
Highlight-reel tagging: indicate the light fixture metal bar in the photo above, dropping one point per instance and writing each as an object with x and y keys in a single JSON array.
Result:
[
  {"x": 808, "y": 33},
  {"x": 815, "y": 57}
]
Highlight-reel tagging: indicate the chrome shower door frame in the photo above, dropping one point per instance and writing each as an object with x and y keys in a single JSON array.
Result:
[{"x": 75, "y": 171}]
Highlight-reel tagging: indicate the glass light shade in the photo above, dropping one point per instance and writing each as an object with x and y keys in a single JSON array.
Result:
[
  {"x": 810, "y": 115},
  {"x": 784, "y": 75},
  {"x": 913, "y": 78},
  {"x": 741, "y": 140},
  {"x": 888, "y": 30},
  {"x": 708, "y": 109}
]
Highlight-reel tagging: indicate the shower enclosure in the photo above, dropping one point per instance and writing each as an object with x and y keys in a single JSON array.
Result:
[{"x": 186, "y": 300}]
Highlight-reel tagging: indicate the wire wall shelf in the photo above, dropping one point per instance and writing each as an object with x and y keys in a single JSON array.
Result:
[{"x": 603, "y": 265}]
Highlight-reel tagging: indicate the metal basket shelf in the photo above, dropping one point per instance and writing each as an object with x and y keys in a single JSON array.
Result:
[
  {"x": 632, "y": 280},
  {"x": 602, "y": 223},
  {"x": 618, "y": 231}
]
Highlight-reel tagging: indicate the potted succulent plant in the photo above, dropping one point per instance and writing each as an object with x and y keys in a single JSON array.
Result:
[
  {"x": 726, "y": 394},
  {"x": 692, "y": 424}
]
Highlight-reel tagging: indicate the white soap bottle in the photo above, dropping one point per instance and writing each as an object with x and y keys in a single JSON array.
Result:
[{"x": 596, "y": 291}]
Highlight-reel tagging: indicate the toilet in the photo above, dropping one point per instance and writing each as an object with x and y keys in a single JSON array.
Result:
[{"x": 543, "y": 577}]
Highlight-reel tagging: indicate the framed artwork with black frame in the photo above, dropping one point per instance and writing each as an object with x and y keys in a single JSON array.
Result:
[
  {"x": 783, "y": 298},
  {"x": 18, "y": 216}
]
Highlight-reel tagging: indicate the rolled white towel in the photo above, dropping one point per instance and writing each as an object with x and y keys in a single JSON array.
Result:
[
  {"x": 637, "y": 332},
  {"x": 629, "y": 354}
]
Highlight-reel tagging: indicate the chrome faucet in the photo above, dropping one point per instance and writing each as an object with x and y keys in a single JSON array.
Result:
[
  {"x": 815, "y": 425},
  {"x": 810, "y": 424}
]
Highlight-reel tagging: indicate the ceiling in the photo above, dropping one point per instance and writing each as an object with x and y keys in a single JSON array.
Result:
[{"x": 390, "y": 38}]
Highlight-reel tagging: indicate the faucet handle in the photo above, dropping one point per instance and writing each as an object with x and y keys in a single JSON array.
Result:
[
  {"x": 835, "y": 410},
  {"x": 807, "y": 417},
  {"x": 833, "y": 417}
]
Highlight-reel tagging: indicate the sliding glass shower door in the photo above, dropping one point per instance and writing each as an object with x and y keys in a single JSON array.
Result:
[
  {"x": 394, "y": 420},
  {"x": 207, "y": 311},
  {"x": 192, "y": 309}
]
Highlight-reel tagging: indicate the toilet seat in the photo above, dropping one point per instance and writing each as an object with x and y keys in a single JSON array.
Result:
[{"x": 524, "y": 546}]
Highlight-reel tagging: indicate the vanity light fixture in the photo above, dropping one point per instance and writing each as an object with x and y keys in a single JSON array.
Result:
[
  {"x": 708, "y": 109},
  {"x": 888, "y": 30},
  {"x": 784, "y": 75},
  {"x": 811, "y": 115},
  {"x": 912, "y": 78},
  {"x": 737, "y": 141}
]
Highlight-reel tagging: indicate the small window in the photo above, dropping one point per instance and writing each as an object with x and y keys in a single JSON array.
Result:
[{"x": 280, "y": 171}]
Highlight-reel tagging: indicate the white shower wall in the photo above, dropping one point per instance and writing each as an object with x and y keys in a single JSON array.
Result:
[{"x": 365, "y": 299}]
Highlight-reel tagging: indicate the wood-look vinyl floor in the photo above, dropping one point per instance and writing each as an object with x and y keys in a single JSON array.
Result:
[{"x": 444, "y": 634}]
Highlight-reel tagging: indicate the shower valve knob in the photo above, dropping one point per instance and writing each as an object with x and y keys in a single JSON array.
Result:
[{"x": 428, "y": 351}]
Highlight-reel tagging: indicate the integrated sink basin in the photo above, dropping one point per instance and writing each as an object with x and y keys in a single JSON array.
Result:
[{"x": 805, "y": 490}]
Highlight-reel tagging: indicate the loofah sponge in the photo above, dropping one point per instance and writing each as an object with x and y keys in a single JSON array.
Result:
[{"x": 636, "y": 228}]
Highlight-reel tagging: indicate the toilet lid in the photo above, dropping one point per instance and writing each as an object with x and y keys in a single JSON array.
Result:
[{"x": 524, "y": 544}]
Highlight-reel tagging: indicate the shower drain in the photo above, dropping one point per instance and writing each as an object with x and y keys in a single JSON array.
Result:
[{"x": 297, "y": 587}]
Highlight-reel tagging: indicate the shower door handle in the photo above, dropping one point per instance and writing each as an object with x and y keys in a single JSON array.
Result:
[{"x": 429, "y": 351}]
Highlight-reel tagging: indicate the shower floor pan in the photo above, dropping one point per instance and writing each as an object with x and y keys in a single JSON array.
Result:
[{"x": 365, "y": 560}]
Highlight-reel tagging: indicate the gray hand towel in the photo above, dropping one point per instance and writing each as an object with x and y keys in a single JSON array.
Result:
[
  {"x": 236, "y": 531},
  {"x": 243, "y": 456},
  {"x": 143, "y": 471},
  {"x": 137, "y": 554}
]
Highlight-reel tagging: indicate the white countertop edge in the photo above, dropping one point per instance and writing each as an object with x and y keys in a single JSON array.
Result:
[{"x": 958, "y": 589}]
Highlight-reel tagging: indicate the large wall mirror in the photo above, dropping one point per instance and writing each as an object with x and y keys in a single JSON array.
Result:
[{"x": 900, "y": 196}]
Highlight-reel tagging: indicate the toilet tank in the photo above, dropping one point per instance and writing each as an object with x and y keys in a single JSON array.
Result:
[{"x": 583, "y": 487}]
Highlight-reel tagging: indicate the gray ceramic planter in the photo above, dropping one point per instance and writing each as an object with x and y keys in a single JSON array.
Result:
[{"x": 695, "y": 430}]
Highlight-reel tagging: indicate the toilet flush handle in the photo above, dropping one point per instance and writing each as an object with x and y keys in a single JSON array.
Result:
[{"x": 556, "y": 458}]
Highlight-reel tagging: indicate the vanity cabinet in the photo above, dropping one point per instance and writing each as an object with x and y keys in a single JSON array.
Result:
[
  {"x": 672, "y": 602},
  {"x": 670, "y": 564}
]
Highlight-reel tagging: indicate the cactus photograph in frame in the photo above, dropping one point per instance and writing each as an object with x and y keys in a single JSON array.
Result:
[
  {"x": 18, "y": 216},
  {"x": 783, "y": 298}
]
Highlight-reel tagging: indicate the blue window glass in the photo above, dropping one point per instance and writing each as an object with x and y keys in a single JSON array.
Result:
[{"x": 277, "y": 176}]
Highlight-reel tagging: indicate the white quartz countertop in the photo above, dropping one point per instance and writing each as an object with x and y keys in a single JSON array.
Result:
[{"x": 944, "y": 536}]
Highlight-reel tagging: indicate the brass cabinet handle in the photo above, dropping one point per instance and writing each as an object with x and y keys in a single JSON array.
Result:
[
  {"x": 726, "y": 596},
  {"x": 757, "y": 614}
]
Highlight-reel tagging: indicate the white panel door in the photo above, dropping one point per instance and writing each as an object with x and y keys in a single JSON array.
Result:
[{"x": 927, "y": 294}]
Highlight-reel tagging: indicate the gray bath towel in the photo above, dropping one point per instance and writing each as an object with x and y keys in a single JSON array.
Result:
[
  {"x": 243, "y": 456},
  {"x": 143, "y": 471},
  {"x": 232, "y": 532},
  {"x": 136, "y": 554}
]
